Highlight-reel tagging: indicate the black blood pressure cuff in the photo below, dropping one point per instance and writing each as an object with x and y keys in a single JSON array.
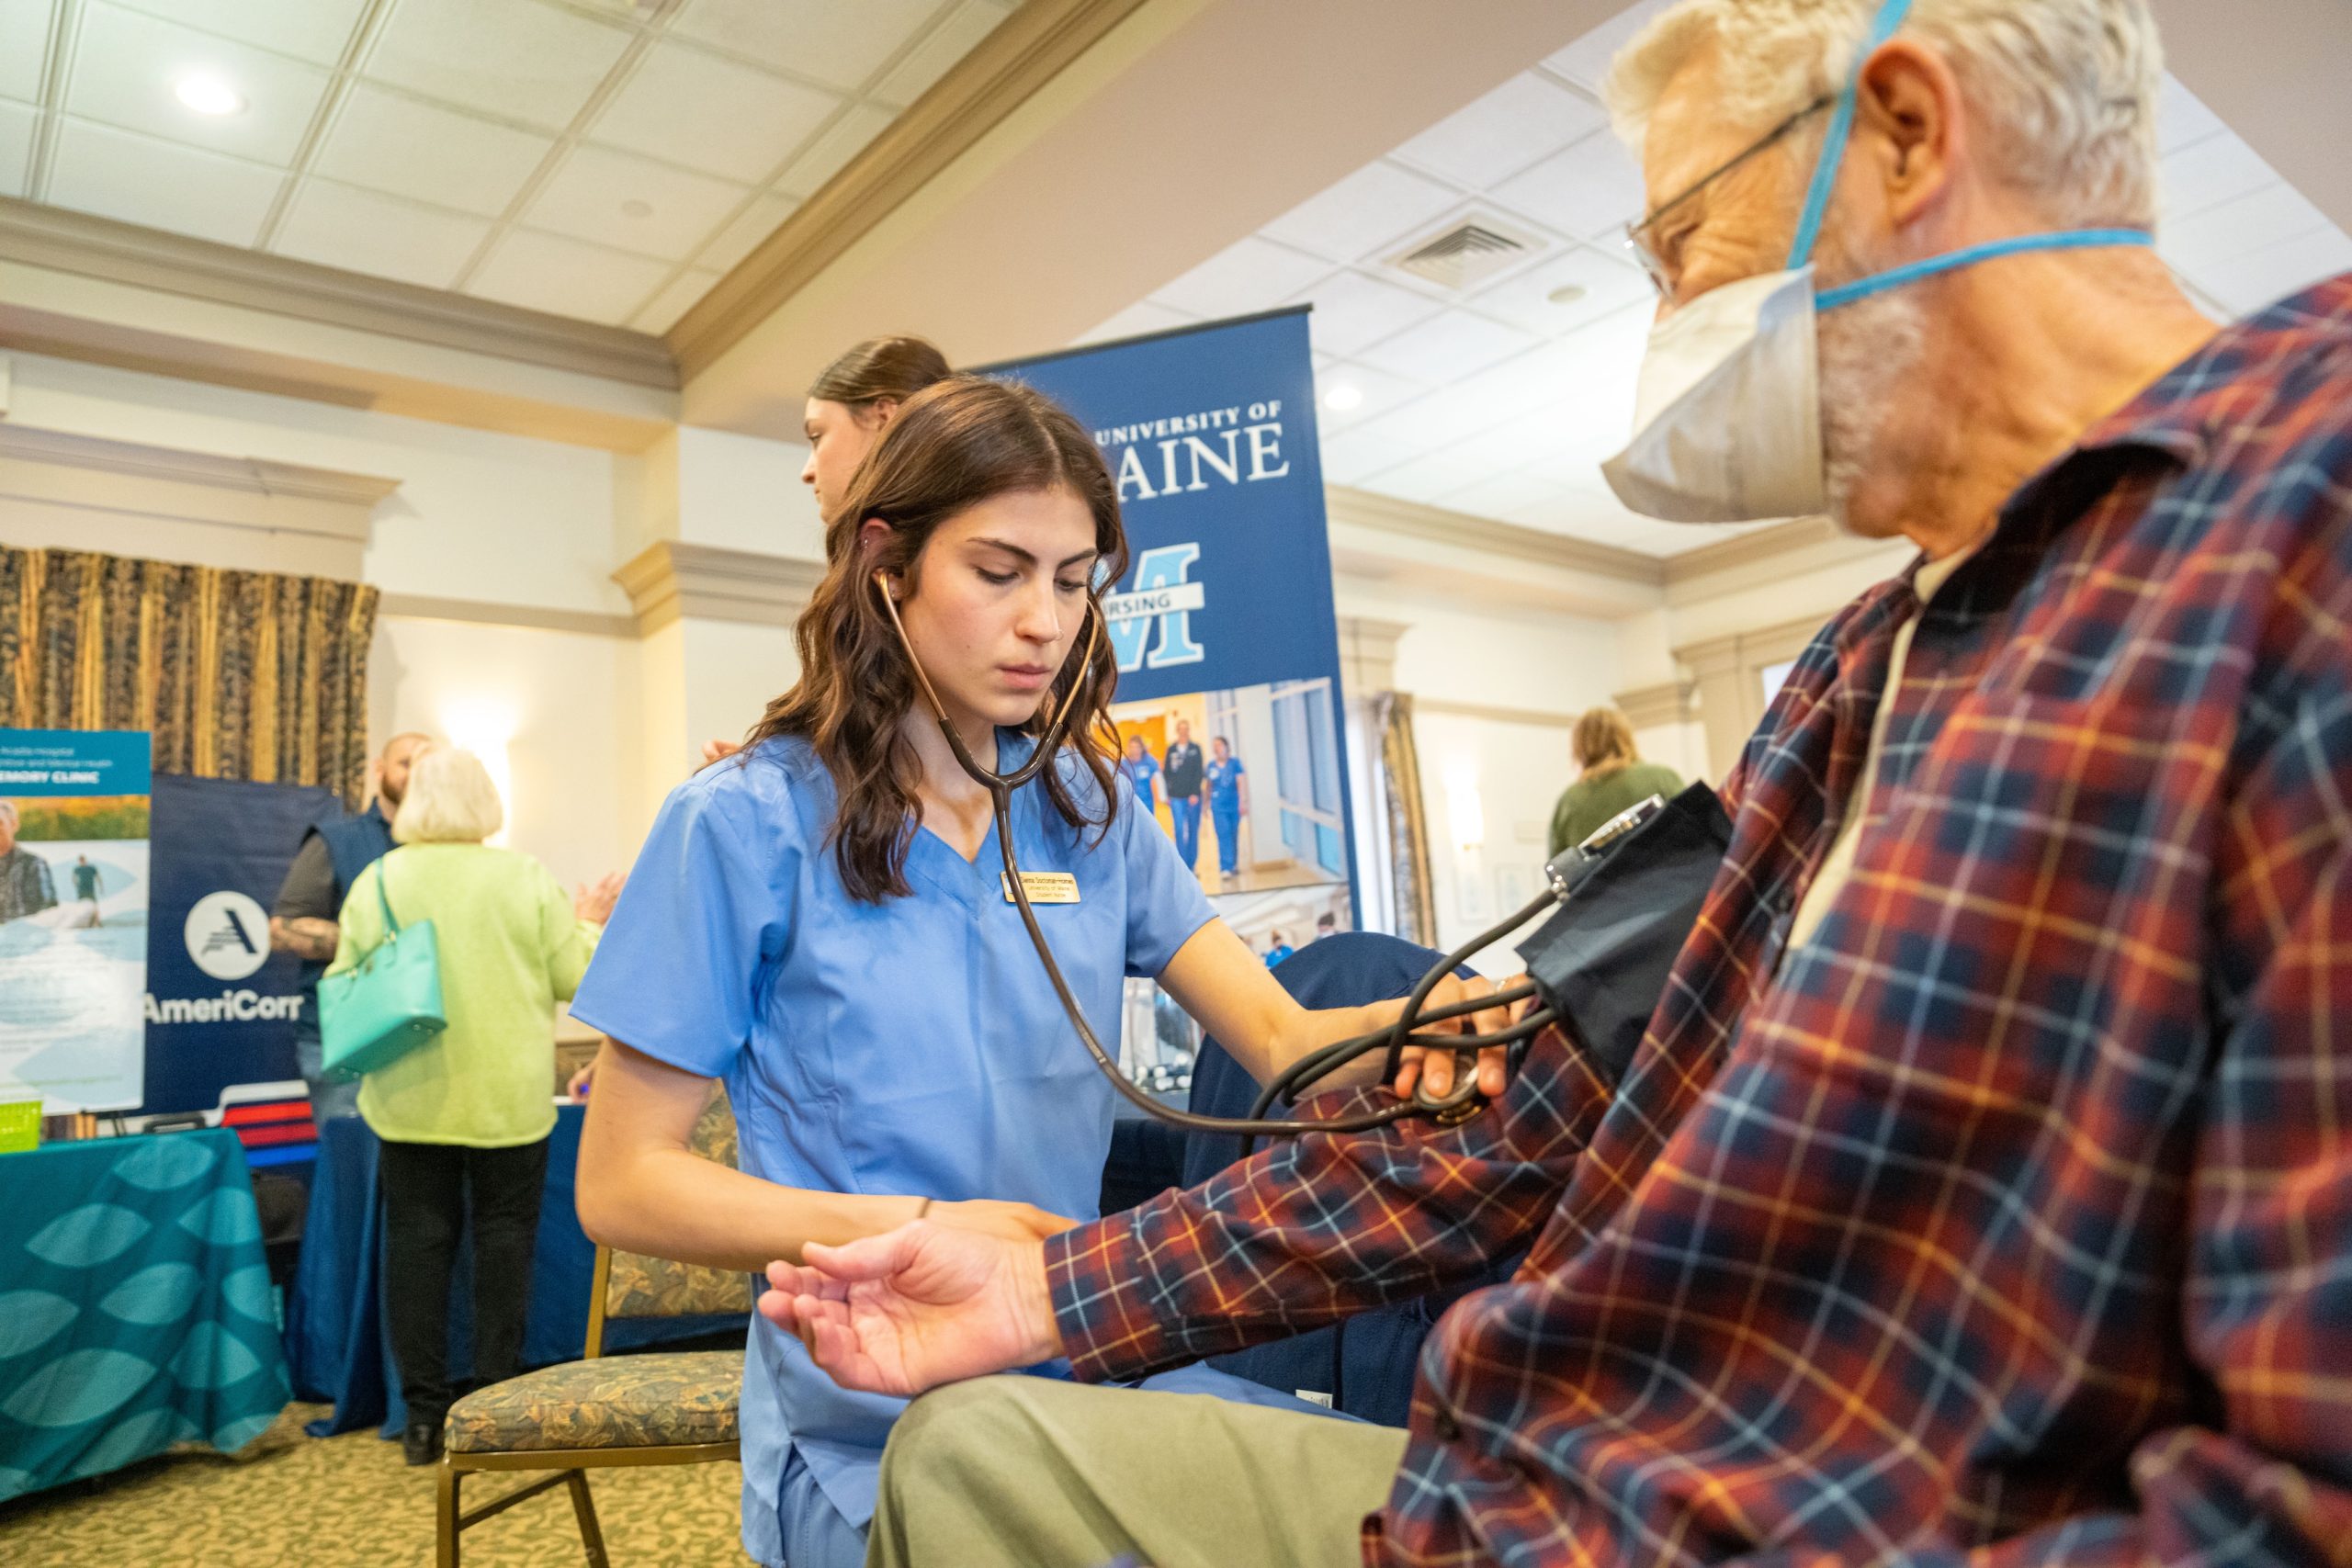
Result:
[{"x": 1600, "y": 962}]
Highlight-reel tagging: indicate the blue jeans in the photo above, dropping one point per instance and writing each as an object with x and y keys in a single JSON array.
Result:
[
  {"x": 1184, "y": 811},
  {"x": 1228, "y": 835}
]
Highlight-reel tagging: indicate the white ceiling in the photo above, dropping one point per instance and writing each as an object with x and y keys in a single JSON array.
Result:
[
  {"x": 601, "y": 159},
  {"x": 1500, "y": 402}
]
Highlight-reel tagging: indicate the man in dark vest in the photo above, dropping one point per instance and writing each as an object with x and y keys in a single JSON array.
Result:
[{"x": 303, "y": 920}]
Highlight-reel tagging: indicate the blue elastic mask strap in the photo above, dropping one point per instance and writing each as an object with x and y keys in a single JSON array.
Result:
[
  {"x": 1911, "y": 271},
  {"x": 1841, "y": 125}
]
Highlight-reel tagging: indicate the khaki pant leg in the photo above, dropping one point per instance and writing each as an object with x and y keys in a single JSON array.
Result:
[{"x": 1032, "y": 1473}]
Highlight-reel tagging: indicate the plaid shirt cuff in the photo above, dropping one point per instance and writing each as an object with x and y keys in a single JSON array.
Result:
[{"x": 1100, "y": 1277}]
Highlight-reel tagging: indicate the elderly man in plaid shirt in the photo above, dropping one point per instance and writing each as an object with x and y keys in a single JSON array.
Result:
[{"x": 1982, "y": 1191}]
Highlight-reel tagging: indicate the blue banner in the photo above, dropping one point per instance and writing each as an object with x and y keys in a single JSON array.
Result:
[
  {"x": 221, "y": 1008},
  {"x": 1228, "y": 701}
]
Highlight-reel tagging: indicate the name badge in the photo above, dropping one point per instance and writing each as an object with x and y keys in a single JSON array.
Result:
[{"x": 1043, "y": 886}]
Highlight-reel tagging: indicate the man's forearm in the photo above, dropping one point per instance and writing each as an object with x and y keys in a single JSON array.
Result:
[{"x": 305, "y": 936}]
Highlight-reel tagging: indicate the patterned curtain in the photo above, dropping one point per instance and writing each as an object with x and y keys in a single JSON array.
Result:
[
  {"x": 238, "y": 674},
  {"x": 1408, "y": 831}
]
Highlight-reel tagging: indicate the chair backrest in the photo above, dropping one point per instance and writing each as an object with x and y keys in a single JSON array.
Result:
[{"x": 634, "y": 1284}]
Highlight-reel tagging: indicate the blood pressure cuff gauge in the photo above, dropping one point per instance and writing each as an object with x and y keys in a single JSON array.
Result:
[{"x": 1629, "y": 897}]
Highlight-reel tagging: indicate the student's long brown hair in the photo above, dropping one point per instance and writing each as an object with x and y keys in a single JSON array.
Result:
[{"x": 957, "y": 443}]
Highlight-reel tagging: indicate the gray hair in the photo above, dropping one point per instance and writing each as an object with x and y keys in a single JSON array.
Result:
[
  {"x": 450, "y": 800},
  {"x": 8, "y": 809},
  {"x": 2066, "y": 89}
]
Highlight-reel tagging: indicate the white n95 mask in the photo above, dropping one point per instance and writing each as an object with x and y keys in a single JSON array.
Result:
[{"x": 1728, "y": 413}]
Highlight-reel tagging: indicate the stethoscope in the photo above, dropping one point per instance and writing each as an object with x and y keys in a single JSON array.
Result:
[{"x": 1452, "y": 1108}]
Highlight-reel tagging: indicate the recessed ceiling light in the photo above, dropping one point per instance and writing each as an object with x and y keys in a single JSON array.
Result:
[
  {"x": 1343, "y": 396},
  {"x": 208, "y": 93},
  {"x": 1567, "y": 294}
]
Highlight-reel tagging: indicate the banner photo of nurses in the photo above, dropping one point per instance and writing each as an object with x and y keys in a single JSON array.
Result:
[
  {"x": 1229, "y": 708},
  {"x": 74, "y": 881}
]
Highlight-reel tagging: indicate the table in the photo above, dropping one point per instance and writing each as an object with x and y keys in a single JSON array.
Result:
[
  {"x": 137, "y": 1313},
  {"x": 335, "y": 1334}
]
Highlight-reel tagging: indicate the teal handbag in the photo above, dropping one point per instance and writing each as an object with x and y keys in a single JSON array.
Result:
[{"x": 371, "y": 1015}]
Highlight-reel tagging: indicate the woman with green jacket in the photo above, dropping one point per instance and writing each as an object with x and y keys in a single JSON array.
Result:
[{"x": 465, "y": 1118}]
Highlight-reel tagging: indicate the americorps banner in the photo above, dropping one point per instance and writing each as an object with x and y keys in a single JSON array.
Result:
[
  {"x": 73, "y": 881},
  {"x": 1229, "y": 704},
  {"x": 221, "y": 1006}
]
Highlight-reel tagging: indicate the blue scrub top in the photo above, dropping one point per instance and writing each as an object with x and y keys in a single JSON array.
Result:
[
  {"x": 913, "y": 1046},
  {"x": 1225, "y": 784},
  {"x": 1140, "y": 772}
]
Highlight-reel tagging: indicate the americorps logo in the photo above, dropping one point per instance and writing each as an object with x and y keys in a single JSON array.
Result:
[{"x": 227, "y": 935}]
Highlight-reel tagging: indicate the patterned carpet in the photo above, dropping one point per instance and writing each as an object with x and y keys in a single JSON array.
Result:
[{"x": 289, "y": 1501}]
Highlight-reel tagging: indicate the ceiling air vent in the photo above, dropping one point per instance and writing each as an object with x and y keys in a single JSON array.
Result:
[{"x": 1470, "y": 251}]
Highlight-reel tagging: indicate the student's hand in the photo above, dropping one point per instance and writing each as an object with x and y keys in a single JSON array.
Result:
[
  {"x": 719, "y": 750},
  {"x": 1010, "y": 1222},
  {"x": 594, "y": 905},
  {"x": 915, "y": 1307},
  {"x": 1436, "y": 1067}
]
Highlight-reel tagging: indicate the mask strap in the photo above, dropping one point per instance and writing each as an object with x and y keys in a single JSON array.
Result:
[
  {"x": 1841, "y": 125},
  {"x": 1911, "y": 271}
]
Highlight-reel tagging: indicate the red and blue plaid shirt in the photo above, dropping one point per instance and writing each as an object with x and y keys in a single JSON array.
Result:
[{"x": 2008, "y": 1219}]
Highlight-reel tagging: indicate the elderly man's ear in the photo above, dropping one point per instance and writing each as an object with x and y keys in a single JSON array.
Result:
[{"x": 1911, "y": 128}]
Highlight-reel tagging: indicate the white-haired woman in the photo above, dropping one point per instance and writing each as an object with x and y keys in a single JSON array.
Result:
[{"x": 465, "y": 1119}]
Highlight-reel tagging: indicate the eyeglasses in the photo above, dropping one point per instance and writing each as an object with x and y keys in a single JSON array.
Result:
[{"x": 1661, "y": 276}]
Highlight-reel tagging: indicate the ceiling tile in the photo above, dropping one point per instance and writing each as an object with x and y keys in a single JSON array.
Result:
[
  {"x": 1248, "y": 275},
  {"x": 1447, "y": 348},
  {"x": 1525, "y": 299},
  {"x": 383, "y": 139},
  {"x": 823, "y": 39},
  {"x": 548, "y": 272},
  {"x": 1526, "y": 118},
  {"x": 840, "y": 141},
  {"x": 1587, "y": 190},
  {"x": 315, "y": 30},
  {"x": 1352, "y": 311},
  {"x": 633, "y": 203},
  {"x": 1509, "y": 497},
  {"x": 1373, "y": 208},
  {"x": 138, "y": 179},
  {"x": 125, "y": 66},
  {"x": 1352, "y": 456},
  {"x": 16, "y": 123},
  {"x": 2182, "y": 117},
  {"x": 1438, "y": 419},
  {"x": 2248, "y": 283},
  {"x": 2207, "y": 173},
  {"x": 1429, "y": 477},
  {"x": 743, "y": 234},
  {"x": 1379, "y": 390},
  {"x": 23, "y": 47},
  {"x": 360, "y": 231},
  {"x": 1134, "y": 321},
  {"x": 1586, "y": 60},
  {"x": 2242, "y": 226},
  {"x": 662, "y": 312},
  {"x": 707, "y": 113},
  {"x": 930, "y": 60},
  {"x": 515, "y": 59}
]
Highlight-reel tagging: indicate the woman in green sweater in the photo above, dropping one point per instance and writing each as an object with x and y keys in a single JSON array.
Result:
[
  {"x": 465, "y": 1119},
  {"x": 1613, "y": 778}
]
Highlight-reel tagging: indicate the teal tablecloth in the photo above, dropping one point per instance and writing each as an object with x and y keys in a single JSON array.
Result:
[{"x": 135, "y": 1306}]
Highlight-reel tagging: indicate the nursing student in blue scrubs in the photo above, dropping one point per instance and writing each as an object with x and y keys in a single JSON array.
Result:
[
  {"x": 1228, "y": 803},
  {"x": 1140, "y": 771},
  {"x": 820, "y": 922}
]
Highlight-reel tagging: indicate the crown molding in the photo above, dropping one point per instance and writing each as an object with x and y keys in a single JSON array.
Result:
[
  {"x": 480, "y": 612},
  {"x": 1026, "y": 50},
  {"x": 1648, "y": 707},
  {"x": 1493, "y": 713},
  {"x": 1410, "y": 519},
  {"x": 256, "y": 476},
  {"x": 77, "y": 242},
  {"x": 671, "y": 579}
]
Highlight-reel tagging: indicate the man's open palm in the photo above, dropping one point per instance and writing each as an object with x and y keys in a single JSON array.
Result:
[{"x": 921, "y": 1305}]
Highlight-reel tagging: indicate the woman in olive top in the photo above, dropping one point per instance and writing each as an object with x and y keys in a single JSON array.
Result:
[
  {"x": 1613, "y": 778},
  {"x": 465, "y": 1118}
]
